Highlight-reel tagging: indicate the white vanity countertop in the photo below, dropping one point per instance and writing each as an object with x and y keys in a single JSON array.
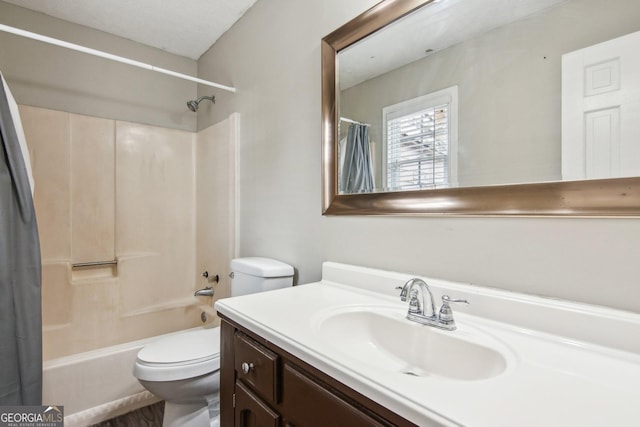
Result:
[{"x": 563, "y": 367}]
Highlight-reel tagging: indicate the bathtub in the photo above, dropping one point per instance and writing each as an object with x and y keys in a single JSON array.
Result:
[{"x": 97, "y": 385}]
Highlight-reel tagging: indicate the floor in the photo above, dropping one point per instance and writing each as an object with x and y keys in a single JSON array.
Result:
[{"x": 148, "y": 416}]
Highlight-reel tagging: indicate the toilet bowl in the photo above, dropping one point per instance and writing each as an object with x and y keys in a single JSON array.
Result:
[{"x": 184, "y": 368}]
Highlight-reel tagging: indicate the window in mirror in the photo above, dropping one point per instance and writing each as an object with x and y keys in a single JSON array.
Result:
[{"x": 420, "y": 142}]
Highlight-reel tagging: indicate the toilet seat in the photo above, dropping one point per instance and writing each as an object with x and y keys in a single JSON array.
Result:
[{"x": 180, "y": 356}]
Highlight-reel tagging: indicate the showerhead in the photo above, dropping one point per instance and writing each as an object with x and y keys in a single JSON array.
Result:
[{"x": 193, "y": 105}]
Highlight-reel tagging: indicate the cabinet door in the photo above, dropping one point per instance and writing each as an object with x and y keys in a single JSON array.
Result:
[
  {"x": 251, "y": 411},
  {"x": 308, "y": 404}
]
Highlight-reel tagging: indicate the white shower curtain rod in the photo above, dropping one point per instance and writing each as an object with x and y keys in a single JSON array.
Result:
[
  {"x": 110, "y": 56},
  {"x": 344, "y": 119}
]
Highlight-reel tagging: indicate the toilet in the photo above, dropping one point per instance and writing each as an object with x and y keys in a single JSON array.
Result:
[{"x": 183, "y": 369}]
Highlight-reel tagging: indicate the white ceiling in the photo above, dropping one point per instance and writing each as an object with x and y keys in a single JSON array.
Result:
[
  {"x": 183, "y": 27},
  {"x": 436, "y": 26}
]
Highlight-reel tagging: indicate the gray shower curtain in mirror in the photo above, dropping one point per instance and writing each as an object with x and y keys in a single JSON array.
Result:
[
  {"x": 20, "y": 275},
  {"x": 357, "y": 169}
]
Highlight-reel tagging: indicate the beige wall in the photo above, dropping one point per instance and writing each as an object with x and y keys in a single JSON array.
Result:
[
  {"x": 120, "y": 173},
  {"x": 215, "y": 161},
  {"x": 46, "y": 76},
  {"x": 108, "y": 189},
  {"x": 273, "y": 56}
]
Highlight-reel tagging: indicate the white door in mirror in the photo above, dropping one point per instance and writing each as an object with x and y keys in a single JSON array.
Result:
[{"x": 601, "y": 110}]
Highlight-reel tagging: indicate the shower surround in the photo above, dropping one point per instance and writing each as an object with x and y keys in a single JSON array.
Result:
[{"x": 112, "y": 190}]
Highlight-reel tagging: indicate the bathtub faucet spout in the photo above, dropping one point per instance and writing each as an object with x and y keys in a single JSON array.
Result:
[{"x": 206, "y": 292}]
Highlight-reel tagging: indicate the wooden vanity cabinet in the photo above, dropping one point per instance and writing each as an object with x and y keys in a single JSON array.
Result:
[{"x": 262, "y": 385}]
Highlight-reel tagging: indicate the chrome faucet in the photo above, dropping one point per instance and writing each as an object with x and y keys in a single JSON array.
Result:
[
  {"x": 208, "y": 290},
  {"x": 205, "y": 292},
  {"x": 418, "y": 307},
  {"x": 443, "y": 319}
]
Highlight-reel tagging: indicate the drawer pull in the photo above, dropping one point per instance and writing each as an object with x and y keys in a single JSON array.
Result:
[{"x": 246, "y": 367}]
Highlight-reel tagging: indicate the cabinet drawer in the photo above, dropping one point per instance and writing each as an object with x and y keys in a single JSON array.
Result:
[{"x": 257, "y": 366}]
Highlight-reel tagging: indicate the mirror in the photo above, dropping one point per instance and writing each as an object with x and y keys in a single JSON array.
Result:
[{"x": 488, "y": 86}]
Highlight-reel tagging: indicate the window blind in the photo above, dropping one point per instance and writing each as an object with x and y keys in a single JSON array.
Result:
[{"x": 418, "y": 149}]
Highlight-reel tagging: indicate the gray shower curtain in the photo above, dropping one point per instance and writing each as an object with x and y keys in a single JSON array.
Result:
[
  {"x": 357, "y": 169},
  {"x": 20, "y": 275}
]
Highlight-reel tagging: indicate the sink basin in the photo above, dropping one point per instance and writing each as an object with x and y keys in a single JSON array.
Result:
[{"x": 381, "y": 337}]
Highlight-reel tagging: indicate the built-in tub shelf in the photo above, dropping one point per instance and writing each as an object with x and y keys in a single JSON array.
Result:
[{"x": 94, "y": 270}]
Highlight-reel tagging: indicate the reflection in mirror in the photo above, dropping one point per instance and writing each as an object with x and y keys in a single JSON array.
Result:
[
  {"x": 498, "y": 134},
  {"x": 468, "y": 93}
]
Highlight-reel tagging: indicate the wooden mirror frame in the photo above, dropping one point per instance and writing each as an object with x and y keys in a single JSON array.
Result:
[{"x": 590, "y": 198}]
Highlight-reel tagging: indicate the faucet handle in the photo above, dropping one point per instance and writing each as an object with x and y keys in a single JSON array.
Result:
[
  {"x": 414, "y": 303},
  {"x": 445, "y": 316},
  {"x": 446, "y": 299}
]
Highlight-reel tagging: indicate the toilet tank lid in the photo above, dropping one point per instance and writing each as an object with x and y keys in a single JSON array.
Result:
[{"x": 261, "y": 267}]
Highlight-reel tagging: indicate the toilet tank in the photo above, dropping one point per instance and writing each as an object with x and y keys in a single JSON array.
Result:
[{"x": 254, "y": 274}]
